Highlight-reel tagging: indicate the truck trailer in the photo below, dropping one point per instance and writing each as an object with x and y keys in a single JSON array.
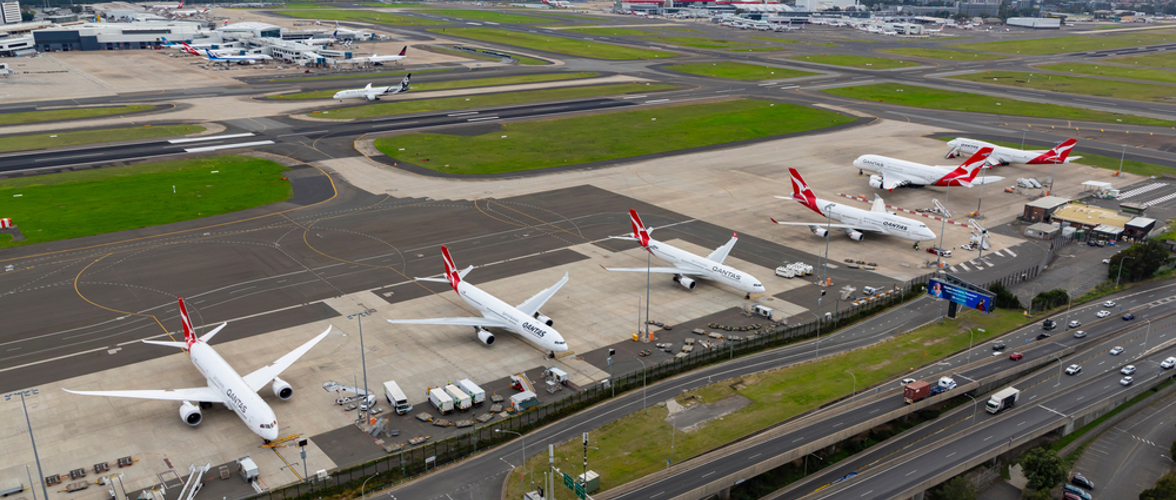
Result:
[
  {"x": 396, "y": 398},
  {"x": 1005, "y": 398},
  {"x": 461, "y": 400},
  {"x": 441, "y": 400},
  {"x": 915, "y": 391},
  {"x": 476, "y": 393}
]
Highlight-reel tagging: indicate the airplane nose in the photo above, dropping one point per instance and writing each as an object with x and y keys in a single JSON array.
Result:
[{"x": 271, "y": 434}]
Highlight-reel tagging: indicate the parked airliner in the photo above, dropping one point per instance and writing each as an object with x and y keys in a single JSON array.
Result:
[
  {"x": 1004, "y": 156},
  {"x": 524, "y": 320},
  {"x": 225, "y": 386},
  {"x": 853, "y": 220},
  {"x": 688, "y": 266},
  {"x": 378, "y": 60},
  {"x": 893, "y": 173}
]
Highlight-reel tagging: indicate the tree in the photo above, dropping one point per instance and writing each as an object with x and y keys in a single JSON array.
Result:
[
  {"x": 1043, "y": 468},
  {"x": 27, "y": 15},
  {"x": 1004, "y": 298},
  {"x": 958, "y": 488},
  {"x": 1048, "y": 300},
  {"x": 1165, "y": 489},
  {"x": 1139, "y": 262}
]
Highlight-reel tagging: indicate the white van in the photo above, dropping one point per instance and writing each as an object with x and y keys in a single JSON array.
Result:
[
  {"x": 461, "y": 400},
  {"x": 396, "y": 398},
  {"x": 476, "y": 393},
  {"x": 441, "y": 400}
]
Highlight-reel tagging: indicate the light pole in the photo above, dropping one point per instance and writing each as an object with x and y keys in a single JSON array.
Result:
[
  {"x": 828, "y": 225},
  {"x": 973, "y": 408},
  {"x": 1120, "y": 273},
  {"x": 648, "y": 271},
  {"x": 29, "y": 423},
  {"x": 364, "y": 485},
  {"x": 1146, "y": 334},
  {"x": 854, "y": 393},
  {"x": 983, "y": 178},
  {"x": 612, "y": 384},
  {"x": 1069, "y": 301},
  {"x": 1121, "y": 158},
  {"x": 643, "y": 385},
  {"x": 942, "y": 227},
  {"x": 806, "y": 462},
  {"x": 1059, "y": 369},
  {"x": 523, "y": 476},
  {"x": 818, "y": 355},
  {"x": 971, "y": 343},
  {"x": 363, "y": 362},
  {"x": 673, "y": 434}
]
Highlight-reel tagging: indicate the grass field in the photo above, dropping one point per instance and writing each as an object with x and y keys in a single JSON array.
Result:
[
  {"x": 69, "y": 114},
  {"x": 618, "y": 134},
  {"x": 60, "y": 139},
  {"x": 942, "y": 54},
  {"x": 698, "y": 42},
  {"x": 1157, "y": 75},
  {"x": 454, "y": 84},
  {"x": 1107, "y": 162},
  {"x": 926, "y": 97},
  {"x": 569, "y": 16},
  {"x": 1074, "y": 85},
  {"x": 477, "y": 101},
  {"x": 611, "y": 31},
  {"x": 857, "y": 61},
  {"x": 687, "y": 30},
  {"x": 520, "y": 59},
  {"x": 738, "y": 71},
  {"x": 548, "y": 43},
  {"x": 364, "y": 16},
  {"x": 349, "y": 76},
  {"x": 89, "y": 202},
  {"x": 1161, "y": 60},
  {"x": 756, "y": 49},
  {"x": 639, "y": 444},
  {"x": 483, "y": 15},
  {"x": 773, "y": 39},
  {"x": 1042, "y": 46}
]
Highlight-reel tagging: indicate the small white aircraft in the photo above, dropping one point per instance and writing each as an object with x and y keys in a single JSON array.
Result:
[
  {"x": 894, "y": 173},
  {"x": 688, "y": 266},
  {"x": 241, "y": 59},
  {"x": 1004, "y": 156},
  {"x": 853, "y": 220},
  {"x": 523, "y": 320},
  {"x": 225, "y": 386},
  {"x": 373, "y": 93}
]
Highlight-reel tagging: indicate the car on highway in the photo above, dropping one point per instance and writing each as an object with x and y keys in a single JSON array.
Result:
[
  {"x": 1128, "y": 317},
  {"x": 1075, "y": 324},
  {"x": 1016, "y": 356},
  {"x": 1167, "y": 364},
  {"x": 1127, "y": 370},
  {"x": 906, "y": 381},
  {"x": 1073, "y": 369},
  {"x": 1104, "y": 313},
  {"x": 1109, "y": 304},
  {"x": 1048, "y": 324},
  {"x": 1117, "y": 350},
  {"x": 1106, "y": 261},
  {"x": 1079, "y": 334},
  {"x": 1125, "y": 381},
  {"x": 1081, "y": 480},
  {"x": 1042, "y": 336},
  {"x": 999, "y": 346},
  {"x": 1073, "y": 490}
]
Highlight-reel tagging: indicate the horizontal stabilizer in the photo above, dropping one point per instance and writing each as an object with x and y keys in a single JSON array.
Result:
[{"x": 178, "y": 345}]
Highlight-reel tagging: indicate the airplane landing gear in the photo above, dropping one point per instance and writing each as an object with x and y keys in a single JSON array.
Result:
[
  {"x": 748, "y": 297},
  {"x": 551, "y": 355}
]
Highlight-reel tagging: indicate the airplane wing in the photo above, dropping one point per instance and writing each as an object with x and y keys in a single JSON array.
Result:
[
  {"x": 533, "y": 304},
  {"x": 265, "y": 374},
  {"x": 662, "y": 270},
  {"x": 483, "y": 322},
  {"x": 987, "y": 180},
  {"x": 200, "y": 394},
  {"x": 720, "y": 253}
]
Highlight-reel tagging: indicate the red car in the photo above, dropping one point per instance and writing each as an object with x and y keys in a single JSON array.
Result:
[{"x": 1016, "y": 356}]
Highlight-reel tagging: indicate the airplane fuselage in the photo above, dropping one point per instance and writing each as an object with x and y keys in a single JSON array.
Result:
[
  {"x": 710, "y": 269},
  {"x": 245, "y": 402},
  {"x": 968, "y": 147},
  {"x": 880, "y": 222},
  {"x": 916, "y": 173},
  {"x": 530, "y": 329}
]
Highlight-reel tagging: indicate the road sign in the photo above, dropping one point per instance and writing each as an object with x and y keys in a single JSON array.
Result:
[
  {"x": 580, "y": 492},
  {"x": 568, "y": 482}
]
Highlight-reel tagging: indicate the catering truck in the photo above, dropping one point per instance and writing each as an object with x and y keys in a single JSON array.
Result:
[
  {"x": 461, "y": 400},
  {"x": 441, "y": 400},
  {"x": 1005, "y": 398},
  {"x": 476, "y": 393},
  {"x": 396, "y": 398}
]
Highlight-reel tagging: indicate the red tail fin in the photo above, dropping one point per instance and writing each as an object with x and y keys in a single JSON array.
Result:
[
  {"x": 450, "y": 269},
  {"x": 639, "y": 230},
  {"x": 404, "y": 50},
  {"x": 189, "y": 335},
  {"x": 968, "y": 170},
  {"x": 802, "y": 193},
  {"x": 1056, "y": 155}
]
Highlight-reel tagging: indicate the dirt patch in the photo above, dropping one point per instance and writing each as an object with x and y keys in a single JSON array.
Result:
[
  {"x": 689, "y": 419},
  {"x": 884, "y": 363},
  {"x": 935, "y": 341}
]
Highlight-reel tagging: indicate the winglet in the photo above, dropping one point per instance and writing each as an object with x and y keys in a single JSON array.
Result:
[
  {"x": 189, "y": 336},
  {"x": 773, "y": 219}
]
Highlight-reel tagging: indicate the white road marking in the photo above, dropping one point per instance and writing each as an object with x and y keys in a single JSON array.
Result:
[
  {"x": 912, "y": 472},
  {"x": 482, "y": 119},
  {"x": 227, "y": 146},
  {"x": 208, "y": 138}
]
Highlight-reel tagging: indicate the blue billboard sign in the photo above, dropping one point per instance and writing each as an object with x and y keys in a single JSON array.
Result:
[{"x": 960, "y": 295}]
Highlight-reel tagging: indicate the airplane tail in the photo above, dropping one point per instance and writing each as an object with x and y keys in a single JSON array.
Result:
[
  {"x": 404, "y": 83},
  {"x": 1058, "y": 154},
  {"x": 967, "y": 171},
  {"x": 450, "y": 269},
  {"x": 640, "y": 231},
  {"x": 802, "y": 193},
  {"x": 189, "y": 335},
  {"x": 404, "y": 50}
]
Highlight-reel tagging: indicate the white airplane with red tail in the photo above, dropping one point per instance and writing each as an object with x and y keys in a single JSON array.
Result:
[
  {"x": 855, "y": 221},
  {"x": 688, "y": 266},
  {"x": 225, "y": 386},
  {"x": 524, "y": 320},
  {"x": 1004, "y": 156},
  {"x": 894, "y": 173}
]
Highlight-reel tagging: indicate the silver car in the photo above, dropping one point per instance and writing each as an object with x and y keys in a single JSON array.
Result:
[
  {"x": 1128, "y": 370},
  {"x": 1079, "y": 334},
  {"x": 1073, "y": 370},
  {"x": 1117, "y": 350}
]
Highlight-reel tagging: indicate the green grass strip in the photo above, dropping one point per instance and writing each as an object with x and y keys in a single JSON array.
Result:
[
  {"x": 364, "y": 16},
  {"x": 1073, "y": 85},
  {"x": 485, "y": 15},
  {"x": 1161, "y": 60},
  {"x": 1060, "y": 45},
  {"x": 89, "y": 202},
  {"x": 477, "y": 101},
  {"x": 926, "y": 97},
  {"x": 1157, "y": 75},
  {"x": 551, "y": 43},
  {"x": 611, "y": 31},
  {"x": 862, "y": 62},
  {"x": 618, "y": 134},
  {"x": 520, "y": 59},
  {"x": 942, "y": 54},
  {"x": 698, "y": 42},
  {"x": 773, "y": 39},
  {"x": 69, "y": 114},
  {"x": 454, "y": 84},
  {"x": 569, "y": 16},
  {"x": 62, "y": 139},
  {"x": 738, "y": 71}
]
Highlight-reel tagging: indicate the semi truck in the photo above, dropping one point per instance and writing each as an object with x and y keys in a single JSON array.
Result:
[
  {"x": 396, "y": 398},
  {"x": 440, "y": 400},
  {"x": 945, "y": 384},
  {"x": 916, "y": 391},
  {"x": 1005, "y": 398}
]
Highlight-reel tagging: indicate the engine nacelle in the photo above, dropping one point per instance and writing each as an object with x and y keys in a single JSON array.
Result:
[
  {"x": 486, "y": 337},
  {"x": 876, "y": 181},
  {"x": 820, "y": 231},
  {"x": 687, "y": 283},
  {"x": 190, "y": 414},
  {"x": 854, "y": 235},
  {"x": 544, "y": 319},
  {"x": 371, "y": 97},
  {"x": 282, "y": 389}
]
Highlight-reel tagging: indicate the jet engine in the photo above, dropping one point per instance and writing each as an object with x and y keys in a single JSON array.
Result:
[
  {"x": 544, "y": 319},
  {"x": 820, "y": 231},
  {"x": 686, "y": 283},
  {"x": 372, "y": 97},
  {"x": 854, "y": 235},
  {"x": 282, "y": 389},
  {"x": 190, "y": 414},
  {"x": 876, "y": 181},
  {"x": 486, "y": 337}
]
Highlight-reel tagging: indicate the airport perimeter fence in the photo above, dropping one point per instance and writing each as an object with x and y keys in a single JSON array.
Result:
[{"x": 411, "y": 463}]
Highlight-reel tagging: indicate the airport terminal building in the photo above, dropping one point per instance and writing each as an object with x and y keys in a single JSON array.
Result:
[{"x": 111, "y": 36}]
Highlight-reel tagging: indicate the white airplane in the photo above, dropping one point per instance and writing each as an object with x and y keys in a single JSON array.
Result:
[
  {"x": 854, "y": 221},
  {"x": 320, "y": 41},
  {"x": 558, "y": 4},
  {"x": 225, "y": 386},
  {"x": 688, "y": 266},
  {"x": 894, "y": 173},
  {"x": 168, "y": 7},
  {"x": 1004, "y": 156},
  {"x": 378, "y": 60},
  {"x": 241, "y": 59},
  {"x": 373, "y": 93},
  {"x": 523, "y": 320}
]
